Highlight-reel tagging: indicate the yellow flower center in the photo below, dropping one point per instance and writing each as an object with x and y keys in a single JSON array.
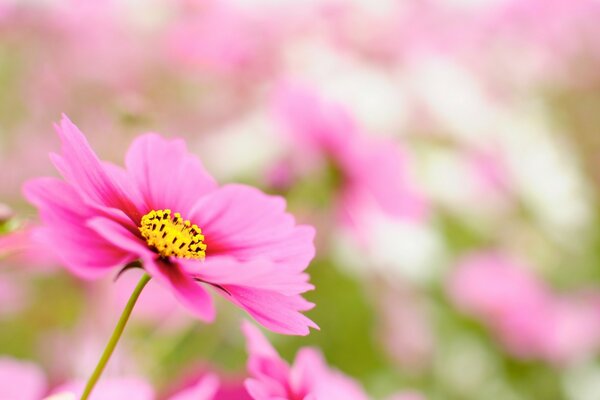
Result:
[{"x": 172, "y": 236}]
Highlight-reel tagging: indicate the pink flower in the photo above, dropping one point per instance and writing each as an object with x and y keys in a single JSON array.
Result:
[
  {"x": 205, "y": 389},
  {"x": 309, "y": 378},
  {"x": 21, "y": 380},
  {"x": 207, "y": 384},
  {"x": 372, "y": 173},
  {"x": 20, "y": 247},
  {"x": 528, "y": 318},
  {"x": 108, "y": 389},
  {"x": 247, "y": 46},
  {"x": 165, "y": 210}
]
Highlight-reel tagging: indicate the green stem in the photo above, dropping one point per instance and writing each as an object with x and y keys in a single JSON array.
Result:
[{"x": 114, "y": 339}]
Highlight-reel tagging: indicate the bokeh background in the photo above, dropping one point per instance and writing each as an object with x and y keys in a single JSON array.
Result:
[{"x": 478, "y": 278}]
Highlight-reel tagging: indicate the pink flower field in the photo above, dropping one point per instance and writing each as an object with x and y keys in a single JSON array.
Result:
[{"x": 300, "y": 200}]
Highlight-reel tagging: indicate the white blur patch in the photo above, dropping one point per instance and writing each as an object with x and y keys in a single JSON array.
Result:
[
  {"x": 582, "y": 382},
  {"x": 395, "y": 250},
  {"x": 447, "y": 179},
  {"x": 547, "y": 175},
  {"x": 542, "y": 166},
  {"x": 147, "y": 14},
  {"x": 454, "y": 97},
  {"x": 370, "y": 94},
  {"x": 243, "y": 148}
]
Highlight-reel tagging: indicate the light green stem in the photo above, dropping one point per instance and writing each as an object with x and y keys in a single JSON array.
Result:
[{"x": 114, "y": 339}]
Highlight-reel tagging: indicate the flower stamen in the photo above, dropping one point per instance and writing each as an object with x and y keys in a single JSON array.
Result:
[{"x": 172, "y": 235}]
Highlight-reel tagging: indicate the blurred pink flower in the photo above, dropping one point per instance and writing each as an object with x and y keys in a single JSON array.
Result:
[
  {"x": 373, "y": 173},
  {"x": 102, "y": 217},
  {"x": 308, "y": 378},
  {"x": 109, "y": 389},
  {"x": 530, "y": 320},
  {"x": 406, "y": 332},
  {"x": 246, "y": 42},
  {"x": 20, "y": 247},
  {"x": 205, "y": 389},
  {"x": 210, "y": 385},
  {"x": 557, "y": 28},
  {"x": 21, "y": 380}
]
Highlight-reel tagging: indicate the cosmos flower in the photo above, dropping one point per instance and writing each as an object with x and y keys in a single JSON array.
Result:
[
  {"x": 113, "y": 388},
  {"x": 205, "y": 389},
  {"x": 166, "y": 211},
  {"x": 309, "y": 378},
  {"x": 527, "y": 316},
  {"x": 24, "y": 380},
  {"x": 21, "y": 380},
  {"x": 370, "y": 173}
]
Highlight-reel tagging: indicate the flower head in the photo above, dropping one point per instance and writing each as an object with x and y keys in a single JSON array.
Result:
[
  {"x": 527, "y": 316},
  {"x": 165, "y": 210},
  {"x": 309, "y": 378},
  {"x": 113, "y": 388},
  {"x": 21, "y": 380},
  {"x": 372, "y": 174}
]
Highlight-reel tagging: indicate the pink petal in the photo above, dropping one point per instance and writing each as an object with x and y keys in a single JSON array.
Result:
[
  {"x": 205, "y": 389},
  {"x": 309, "y": 367},
  {"x": 257, "y": 343},
  {"x": 265, "y": 365},
  {"x": 273, "y": 310},
  {"x": 242, "y": 222},
  {"x": 378, "y": 172},
  {"x": 189, "y": 292},
  {"x": 258, "y": 274},
  {"x": 313, "y": 122},
  {"x": 80, "y": 166},
  {"x": 311, "y": 375},
  {"x": 21, "y": 380},
  {"x": 65, "y": 234},
  {"x": 268, "y": 292},
  {"x": 113, "y": 388},
  {"x": 166, "y": 175},
  {"x": 257, "y": 390},
  {"x": 121, "y": 237}
]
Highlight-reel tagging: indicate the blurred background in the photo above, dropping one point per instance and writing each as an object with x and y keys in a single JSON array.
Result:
[{"x": 447, "y": 151}]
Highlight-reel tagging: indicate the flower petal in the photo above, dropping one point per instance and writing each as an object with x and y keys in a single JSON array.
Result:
[
  {"x": 112, "y": 388},
  {"x": 80, "y": 166},
  {"x": 65, "y": 234},
  {"x": 311, "y": 374},
  {"x": 269, "y": 292},
  {"x": 166, "y": 175},
  {"x": 312, "y": 122},
  {"x": 242, "y": 222},
  {"x": 21, "y": 379},
  {"x": 273, "y": 310},
  {"x": 189, "y": 292},
  {"x": 269, "y": 370},
  {"x": 205, "y": 389},
  {"x": 259, "y": 274},
  {"x": 379, "y": 173},
  {"x": 257, "y": 343}
]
